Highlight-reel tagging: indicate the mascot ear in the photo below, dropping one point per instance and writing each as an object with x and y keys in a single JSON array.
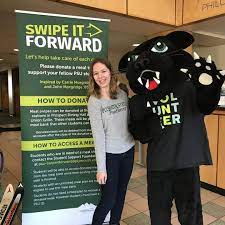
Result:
[
  {"x": 180, "y": 39},
  {"x": 125, "y": 60}
]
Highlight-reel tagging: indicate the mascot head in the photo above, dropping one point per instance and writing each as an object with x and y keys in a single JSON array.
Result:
[{"x": 154, "y": 66}]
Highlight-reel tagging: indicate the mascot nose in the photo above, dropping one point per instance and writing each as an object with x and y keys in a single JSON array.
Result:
[{"x": 142, "y": 63}]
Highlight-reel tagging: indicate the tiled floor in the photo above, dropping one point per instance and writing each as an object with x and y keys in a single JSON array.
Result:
[
  {"x": 135, "y": 210},
  {"x": 10, "y": 145}
]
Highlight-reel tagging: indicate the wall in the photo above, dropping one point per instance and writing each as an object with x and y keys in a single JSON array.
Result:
[
  {"x": 217, "y": 53},
  {"x": 16, "y": 90},
  {"x": 163, "y": 11},
  {"x": 118, "y": 6},
  {"x": 4, "y": 91}
]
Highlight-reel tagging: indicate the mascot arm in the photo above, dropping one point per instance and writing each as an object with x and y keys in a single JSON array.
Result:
[
  {"x": 137, "y": 106},
  {"x": 144, "y": 124},
  {"x": 207, "y": 81}
]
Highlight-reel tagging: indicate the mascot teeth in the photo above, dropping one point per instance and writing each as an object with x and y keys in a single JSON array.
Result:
[
  {"x": 149, "y": 78},
  {"x": 156, "y": 80},
  {"x": 147, "y": 83},
  {"x": 140, "y": 80},
  {"x": 157, "y": 74}
]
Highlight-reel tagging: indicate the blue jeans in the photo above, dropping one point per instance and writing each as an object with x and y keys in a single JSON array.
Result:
[{"x": 119, "y": 168}]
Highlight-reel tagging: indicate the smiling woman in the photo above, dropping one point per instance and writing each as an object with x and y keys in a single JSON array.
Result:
[{"x": 114, "y": 145}]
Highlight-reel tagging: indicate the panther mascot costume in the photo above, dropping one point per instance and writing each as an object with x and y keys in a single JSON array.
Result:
[{"x": 174, "y": 91}]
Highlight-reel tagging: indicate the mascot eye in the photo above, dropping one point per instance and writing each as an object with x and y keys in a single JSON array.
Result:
[
  {"x": 159, "y": 47},
  {"x": 133, "y": 58}
]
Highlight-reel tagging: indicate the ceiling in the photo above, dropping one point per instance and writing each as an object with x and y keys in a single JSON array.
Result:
[{"x": 124, "y": 31}]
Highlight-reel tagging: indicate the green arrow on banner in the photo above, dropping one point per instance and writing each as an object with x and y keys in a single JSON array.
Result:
[{"x": 93, "y": 30}]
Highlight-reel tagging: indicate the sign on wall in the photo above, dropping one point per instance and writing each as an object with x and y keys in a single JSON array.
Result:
[
  {"x": 55, "y": 52},
  {"x": 196, "y": 10}
]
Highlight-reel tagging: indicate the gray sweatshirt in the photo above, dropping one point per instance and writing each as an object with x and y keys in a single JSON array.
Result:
[{"x": 109, "y": 124}]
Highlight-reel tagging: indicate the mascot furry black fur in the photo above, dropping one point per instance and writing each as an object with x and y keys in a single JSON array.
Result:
[{"x": 173, "y": 93}]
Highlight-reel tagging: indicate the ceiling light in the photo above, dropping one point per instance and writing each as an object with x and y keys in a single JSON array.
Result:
[
  {"x": 135, "y": 45},
  {"x": 15, "y": 49}
]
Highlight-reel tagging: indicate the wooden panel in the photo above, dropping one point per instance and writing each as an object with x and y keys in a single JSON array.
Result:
[
  {"x": 208, "y": 173},
  {"x": 201, "y": 9},
  {"x": 219, "y": 112},
  {"x": 118, "y": 6},
  {"x": 221, "y": 153},
  {"x": 179, "y": 12},
  {"x": 156, "y": 10}
]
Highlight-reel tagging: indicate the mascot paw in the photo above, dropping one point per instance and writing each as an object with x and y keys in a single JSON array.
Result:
[{"x": 204, "y": 73}]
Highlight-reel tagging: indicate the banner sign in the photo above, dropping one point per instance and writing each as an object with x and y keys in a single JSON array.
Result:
[{"x": 59, "y": 167}]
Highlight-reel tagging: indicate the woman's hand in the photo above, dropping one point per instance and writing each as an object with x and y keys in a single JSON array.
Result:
[{"x": 101, "y": 177}]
